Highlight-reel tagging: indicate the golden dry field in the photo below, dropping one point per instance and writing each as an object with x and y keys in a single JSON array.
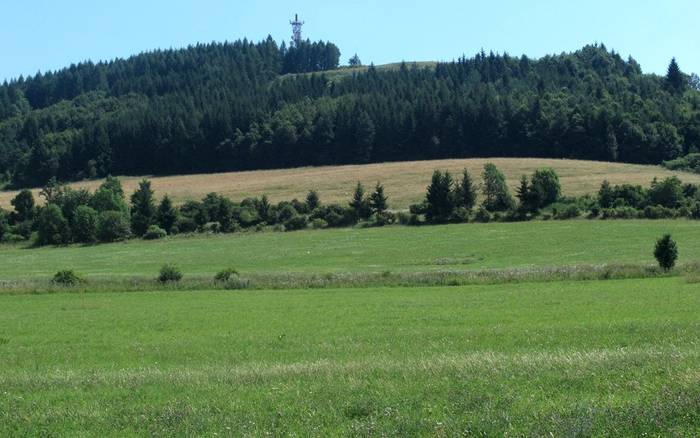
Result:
[{"x": 405, "y": 182}]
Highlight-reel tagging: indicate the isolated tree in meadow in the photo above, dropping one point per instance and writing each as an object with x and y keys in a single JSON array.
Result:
[
  {"x": 24, "y": 206},
  {"x": 143, "y": 209},
  {"x": 674, "y": 76},
  {"x": 496, "y": 194},
  {"x": 312, "y": 201},
  {"x": 360, "y": 204},
  {"x": 465, "y": 192},
  {"x": 378, "y": 201},
  {"x": 439, "y": 198},
  {"x": 666, "y": 252},
  {"x": 166, "y": 216}
]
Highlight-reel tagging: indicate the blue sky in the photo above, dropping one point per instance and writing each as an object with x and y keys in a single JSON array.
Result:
[{"x": 43, "y": 34}]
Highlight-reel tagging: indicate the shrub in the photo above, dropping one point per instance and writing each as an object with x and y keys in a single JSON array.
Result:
[
  {"x": 297, "y": 222},
  {"x": 569, "y": 212},
  {"x": 212, "y": 228},
  {"x": 155, "y": 232},
  {"x": 383, "y": 218},
  {"x": 67, "y": 278},
  {"x": 185, "y": 224},
  {"x": 658, "y": 212},
  {"x": 620, "y": 213},
  {"x": 12, "y": 238},
  {"x": 113, "y": 226},
  {"x": 666, "y": 252},
  {"x": 226, "y": 275},
  {"x": 460, "y": 216},
  {"x": 667, "y": 193},
  {"x": 482, "y": 215},
  {"x": 85, "y": 221},
  {"x": 403, "y": 218},
  {"x": 695, "y": 211},
  {"x": 319, "y": 224},
  {"x": 170, "y": 274}
]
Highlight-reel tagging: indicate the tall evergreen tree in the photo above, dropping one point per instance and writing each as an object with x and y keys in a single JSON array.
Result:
[
  {"x": 496, "y": 194},
  {"x": 439, "y": 198},
  {"x": 166, "y": 215},
  {"x": 466, "y": 191},
  {"x": 360, "y": 204},
  {"x": 143, "y": 209},
  {"x": 674, "y": 77},
  {"x": 378, "y": 201}
]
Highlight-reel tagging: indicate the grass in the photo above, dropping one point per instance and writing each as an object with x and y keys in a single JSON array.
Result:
[
  {"x": 377, "y": 250},
  {"x": 580, "y": 358},
  {"x": 405, "y": 182}
]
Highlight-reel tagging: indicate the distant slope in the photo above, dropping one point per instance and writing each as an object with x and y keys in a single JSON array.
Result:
[{"x": 405, "y": 182}]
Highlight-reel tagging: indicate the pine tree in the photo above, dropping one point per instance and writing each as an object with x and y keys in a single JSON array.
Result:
[
  {"x": 359, "y": 204},
  {"x": 674, "y": 77},
  {"x": 439, "y": 198},
  {"x": 466, "y": 191},
  {"x": 166, "y": 215},
  {"x": 312, "y": 201},
  {"x": 378, "y": 200},
  {"x": 143, "y": 208}
]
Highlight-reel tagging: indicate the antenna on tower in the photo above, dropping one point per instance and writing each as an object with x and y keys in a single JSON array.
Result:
[{"x": 296, "y": 29}]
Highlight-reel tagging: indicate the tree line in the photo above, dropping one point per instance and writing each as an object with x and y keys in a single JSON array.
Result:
[
  {"x": 232, "y": 106},
  {"x": 79, "y": 216}
]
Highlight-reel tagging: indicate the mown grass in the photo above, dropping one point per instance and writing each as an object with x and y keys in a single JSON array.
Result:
[
  {"x": 404, "y": 182},
  {"x": 581, "y": 358},
  {"x": 546, "y": 244}
]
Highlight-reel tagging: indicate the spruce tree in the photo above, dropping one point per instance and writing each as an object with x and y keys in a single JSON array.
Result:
[
  {"x": 359, "y": 204},
  {"x": 312, "y": 201},
  {"x": 166, "y": 215},
  {"x": 674, "y": 77},
  {"x": 466, "y": 191},
  {"x": 378, "y": 200},
  {"x": 143, "y": 208},
  {"x": 439, "y": 198}
]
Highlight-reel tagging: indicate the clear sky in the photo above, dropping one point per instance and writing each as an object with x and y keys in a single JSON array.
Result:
[{"x": 50, "y": 34}]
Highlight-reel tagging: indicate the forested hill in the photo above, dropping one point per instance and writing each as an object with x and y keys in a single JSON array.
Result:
[{"x": 235, "y": 106}]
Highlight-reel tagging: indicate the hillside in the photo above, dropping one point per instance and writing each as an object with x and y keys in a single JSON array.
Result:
[
  {"x": 224, "y": 107},
  {"x": 405, "y": 182}
]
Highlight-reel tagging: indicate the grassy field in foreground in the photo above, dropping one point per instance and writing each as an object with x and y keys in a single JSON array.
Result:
[
  {"x": 405, "y": 182},
  {"x": 396, "y": 249},
  {"x": 570, "y": 358}
]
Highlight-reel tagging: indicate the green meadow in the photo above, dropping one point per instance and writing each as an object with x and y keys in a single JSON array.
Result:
[
  {"x": 530, "y": 356},
  {"x": 398, "y": 248}
]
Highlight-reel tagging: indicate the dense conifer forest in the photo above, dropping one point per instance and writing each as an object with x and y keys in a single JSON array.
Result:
[{"x": 245, "y": 105}]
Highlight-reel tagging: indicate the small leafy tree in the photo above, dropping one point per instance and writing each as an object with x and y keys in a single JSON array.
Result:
[
  {"x": 545, "y": 187},
  {"x": 465, "y": 192},
  {"x": 52, "y": 227},
  {"x": 169, "y": 274},
  {"x": 24, "y": 206},
  {"x": 666, "y": 252},
  {"x": 496, "y": 194},
  {"x": 312, "y": 201},
  {"x": 359, "y": 204},
  {"x": 439, "y": 198},
  {"x": 143, "y": 209},
  {"x": 67, "y": 278},
  {"x": 85, "y": 224},
  {"x": 113, "y": 226},
  {"x": 166, "y": 216}
]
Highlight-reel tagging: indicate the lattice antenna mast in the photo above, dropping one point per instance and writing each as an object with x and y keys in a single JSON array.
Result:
[{"x": 296, "y": 29}]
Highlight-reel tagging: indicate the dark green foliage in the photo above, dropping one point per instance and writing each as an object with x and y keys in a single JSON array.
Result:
[
  {"x": 166, "y": 215},
  {"x": 674, "y": 77},
  {"x": 496, "y": 194},
  {"x": 465, "y": 192},
  {"x": 666, "y": 252},
  {"x": 84, "y": 225},
  {"x": 360, "y": 204},
  {"x": 355, "y": 61},
  {"x": 569, "y": 212},
  {"x": 528, "y": 202},
  {"x": 440, "y": 202},
  {"x": 24, "y": 206},
  {"x": 296, "y": 222},
  {"x": 545, "y": 187},
  {"x": 226, "y": 275},
  {"x": 482, "y": 215},
  {"x": 605, "y": 195},
  {"x": 170, "y": 274},
  {"x": 382, "y": 218},
  {"x": 215, "y": 107},
  {"x": 113, "y": 226},
  {"x": 667, "y": 193},
  {"x": 378, "y": 200},
  {"x": 52, "y": 227},
  {"x": 154, "y": 232},
  {"x": 67, "y": 278},
  {"x": 312, "y": 201},
  {"x": 143, "y": 208}
]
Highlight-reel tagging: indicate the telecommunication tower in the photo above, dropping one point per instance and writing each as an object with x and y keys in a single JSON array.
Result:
[{"x": 296, "y": 29}]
